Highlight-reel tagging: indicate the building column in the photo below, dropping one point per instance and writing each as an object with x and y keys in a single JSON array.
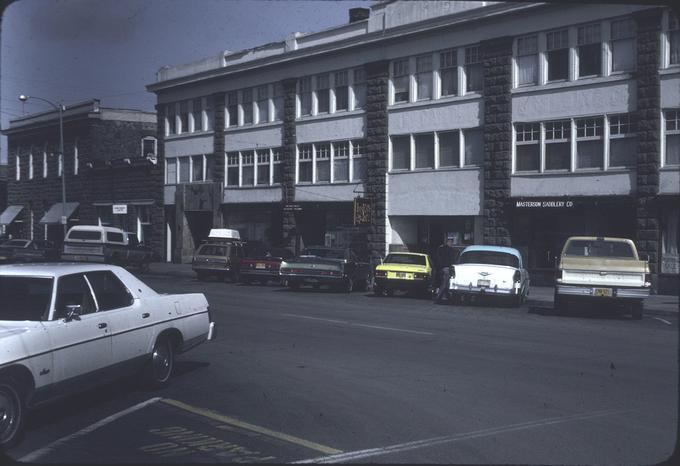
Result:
[
  {"x": 497, "y": 59},
  {"x": 160, "y": 166},
  {"x": 377, "y": 133},
  {"x": 288, "y": 150},
  {"x": 648, "y": 137},
  {"x": 218, "y": 158}
]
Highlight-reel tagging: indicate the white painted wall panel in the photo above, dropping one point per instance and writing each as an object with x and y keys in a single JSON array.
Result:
[
  {"x": 670, "y": 90},
  {"x": 453, "y": 115},
  {"x": 328, "y": 192},
  {"x": 404, "y": 230},
  {"x": 194, "y": 145},
  {"x": 253, "y": 138},
  {"x": 331, "y": 129},
  {"x": 252, "y": 195},
  {"x": 596, "y": 99},
  {"x": 590, "y": 184},
  {"x": 669, "y": 181},
  {"x": 442, "y": 192}
]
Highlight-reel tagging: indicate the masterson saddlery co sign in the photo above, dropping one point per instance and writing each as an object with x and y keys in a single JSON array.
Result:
[{"x": 544, "y": 204}]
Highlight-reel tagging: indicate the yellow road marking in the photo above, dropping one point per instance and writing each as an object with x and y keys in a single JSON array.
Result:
[{"x": 244, "y": 425}]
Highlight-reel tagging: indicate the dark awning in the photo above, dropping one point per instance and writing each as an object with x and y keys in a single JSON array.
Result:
[
  {"x": 54, "y": 214},
  {"x": 10, "y": 214}
]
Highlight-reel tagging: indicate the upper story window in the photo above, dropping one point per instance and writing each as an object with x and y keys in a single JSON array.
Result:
[
  {"x": 528, "y": 150},
  {"x": 672, "y": 137},
  {"x": 589, "y": 42},
  {"x": 196, "y": 123},
  {"x": 278, "y": 101},
  {"x": 263, "y": 104},
  {"x": 183, "y": 117},
  {"x": 341, "y": 160},
  {"x": 263, "y": 166},
  {"x": 231, "y": 116},
  {"x": 441, "y": 149},
  {"x": 323, "y": 99},
  {"x": 149, "y": 145},
  {"x": 44, "y": 157},
  {"x": 233, "y": 175},
  {"x": 189, "y": 116},
  {"x": 341, "y": 90},
  {"x": 323, "y": 162},
  {"x": 589, "y": 143},
  {"x": 359, "y": 87},
  {"x": 305, "y": 162},
  {"x": 247, "y": 105},
  {"x": 252, "y": 168},
  {"x": 424, "y": 77},
  {"x": 17, "y": 163},
  {"x": 187, "y": 169},
  {"x": 248, "y": 168},
  {"x": 527, "y": 60},
  {"x": 622, "y": 141},
  {"x": 474, "y": 70},
  {"x": 184, "y": 167},
  {"x": 622, "y": 45},
  {"x": 400, "y": 80},
  {"x": 557, "y": 55},
  {"x": 359, "y": 167},
  {"x": 557, "y": 145},
  {"x": 170, "y": 121},
  {"x": 30, "y": 165},
  {"x": 331, "y": 162},
  {"x": 305, "y": 93},
  {"x": 671, "y": 39},
  {"x": 448, "y": 72}
]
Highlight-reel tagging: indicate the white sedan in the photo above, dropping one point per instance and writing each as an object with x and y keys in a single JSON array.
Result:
[
  {"x": 67, "y": 327},
  {"x": 489, "y": 270}
]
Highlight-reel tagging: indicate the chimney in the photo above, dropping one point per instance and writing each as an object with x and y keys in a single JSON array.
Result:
[{"x": 358, "y": 14}]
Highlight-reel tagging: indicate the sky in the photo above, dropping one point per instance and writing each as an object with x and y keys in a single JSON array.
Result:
[{"x": 74, "y": 50}]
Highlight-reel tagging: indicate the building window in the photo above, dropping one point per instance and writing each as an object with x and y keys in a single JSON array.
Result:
[
  {"x": 424, "y": 77},
  {"x": 424, "y": 149},
  {"x": 322, "y": 94},
  {"x": 148, "y": 148},
  {"x": 184, "y": 169},
  {"x": 183, "y": 117},
  {"x": 232, "y": 169},
  {"x": 341, "y": 161},
  {"x": 247, "y": 168},
  {"x": 448, "y": 72},
  {"x": 45, "y": 161},
  {"x": 474, "y": 146},
  {"x": 359, "y": 88},
  {"x": 196, "y": 115},
  {"x": 231, "y": 117},
  {"x": 263, "y": 167},
  {"x": 278, "y": 102},
  {"x": 449, "y": 149},
  {"x": 401, "y": 152},
  {"x": 527, "y": 147},
  {"x": 209, "y": 167},
  {"x": 557, "y": 55},
  {"x": 589, "y": 146},
  {"x": 401, "y": 80},
  {"x": 558, "y": 145},
  {"x": 474, "y": 70},
  {"x": 30, "y": 165},
  {"x": 323, "y": 162},
  {"x": 589, "y": 50},
  {"x": 305, "y": 96},
  {"x": 527, "y": 60},
  {"x": 247, "y": 105},
  {"x": 276, "y": 166},
  {"x": 622, "y": 141},
  {"x": 209, "y": 113},
  {"x": 17, "y": 161},
  {"x": 305, "y": 155},
  {"x": 341, "y": 91},
  {"x": 672, "y": 143},
  {"x": 170, "y": 121},
  {"x": 263, "y": 104},
  {"x": 197, "y": 168},
  {"x": 171, "y": 171},
  {"x": 359, "y": 161},
  {"x": 673, "y": 39},
  {"x": 622, "y": 45}
]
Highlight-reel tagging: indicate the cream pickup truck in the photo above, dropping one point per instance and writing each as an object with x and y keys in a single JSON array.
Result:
[{"x": 605, "y": 270}]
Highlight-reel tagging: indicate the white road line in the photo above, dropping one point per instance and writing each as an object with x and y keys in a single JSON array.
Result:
[
  {"x": 34, "y": 455},
  {"x": 662, "y": 320},
  {"x": 363, "y": 454},
  {"x": 346, "y": 322}
]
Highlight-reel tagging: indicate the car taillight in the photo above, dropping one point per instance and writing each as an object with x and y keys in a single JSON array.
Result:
[
  {"x": 380, "y": 273},
  {"x": 284, "y": 270},
  {"x": 517, "y": 277}
]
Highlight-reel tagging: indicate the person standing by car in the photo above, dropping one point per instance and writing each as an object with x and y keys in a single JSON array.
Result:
[{"x": 443, "y": 258}]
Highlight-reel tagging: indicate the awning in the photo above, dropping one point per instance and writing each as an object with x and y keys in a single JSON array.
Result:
[
  {"x": 54, "y": 214},
  {"x": 10, "y": 214}
]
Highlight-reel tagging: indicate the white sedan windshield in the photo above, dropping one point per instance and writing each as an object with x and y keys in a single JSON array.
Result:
[{"x": 24, "y": 298}]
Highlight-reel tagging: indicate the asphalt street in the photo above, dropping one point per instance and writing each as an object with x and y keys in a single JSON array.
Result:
[{"x": 330, "y": 377}]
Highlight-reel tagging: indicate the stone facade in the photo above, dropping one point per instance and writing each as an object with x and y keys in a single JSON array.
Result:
[
  {"x": 497, "y": 59},
  {"x": 288, "y": 155},
  {"x": 648, "y": 133}
]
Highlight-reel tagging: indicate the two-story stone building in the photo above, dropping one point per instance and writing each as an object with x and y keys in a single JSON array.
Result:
[
  {"x": 110, "y": 159},
  {"x": 503, "y": 123}
]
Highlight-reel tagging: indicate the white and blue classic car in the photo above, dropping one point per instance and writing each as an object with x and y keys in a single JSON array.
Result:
[
  {"x": 489, "y": 270},
  {"x": 68, "y": 327}
]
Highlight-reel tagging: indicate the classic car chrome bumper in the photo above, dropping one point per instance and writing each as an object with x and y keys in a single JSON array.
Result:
[
  {"x": 212, "y": 331},
  {"x": 311, "y": 279},
  {"x": 589, "y": 291},
  {"x": 483, "y": 290}
]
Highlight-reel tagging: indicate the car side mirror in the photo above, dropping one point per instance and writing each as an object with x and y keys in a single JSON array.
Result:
[{"x": 73, "y": 312}]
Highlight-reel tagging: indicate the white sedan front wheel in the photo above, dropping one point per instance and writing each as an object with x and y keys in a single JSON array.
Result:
[{"x": 11, "y": 412}]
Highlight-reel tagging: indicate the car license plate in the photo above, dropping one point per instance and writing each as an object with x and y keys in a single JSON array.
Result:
[
  {"x": 602, "y": 292},
  {"x": 259, "y": 265},
  {"x": 483, "y": 283},
  {"x": 311, "y": 280},
  {"x": 402, "y": 275}
]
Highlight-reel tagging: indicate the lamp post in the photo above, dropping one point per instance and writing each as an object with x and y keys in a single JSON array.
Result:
[{"x": 59, "y": 107}]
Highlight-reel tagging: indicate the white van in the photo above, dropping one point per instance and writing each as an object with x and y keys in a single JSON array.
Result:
[{"x": 93, "y": 243}]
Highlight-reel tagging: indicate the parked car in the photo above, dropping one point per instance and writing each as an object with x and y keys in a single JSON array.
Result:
[
  {"x": 110, "y": 245},
  {"x": 319, "y": 265},
  {"x": 263, "y": 264},
  {"x": 604, "y": 270},
  {"x": 67, "y": 327},
  {"x": 489, "y": 270},
  {"x": 408, "y": 271},
  {"x": 220, "y": 255},
  {"x": 23, "y": 250}
]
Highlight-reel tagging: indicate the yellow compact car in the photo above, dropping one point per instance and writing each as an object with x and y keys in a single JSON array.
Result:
[{"x": 408, "y": 271}]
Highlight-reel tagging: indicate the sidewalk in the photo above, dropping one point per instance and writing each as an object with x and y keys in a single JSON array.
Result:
[{"x": 538, "y": 295}]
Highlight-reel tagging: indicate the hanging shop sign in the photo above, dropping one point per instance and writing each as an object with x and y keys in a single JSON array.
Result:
[
  {"x": 362, "y": 211},
  {"x": 120, "y": 209}
]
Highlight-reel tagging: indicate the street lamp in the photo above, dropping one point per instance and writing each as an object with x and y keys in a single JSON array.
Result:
[{"x": 59, "y": 107}]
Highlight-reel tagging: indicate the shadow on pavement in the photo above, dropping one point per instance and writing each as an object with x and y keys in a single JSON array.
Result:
[{"x": 583, "y": 311}]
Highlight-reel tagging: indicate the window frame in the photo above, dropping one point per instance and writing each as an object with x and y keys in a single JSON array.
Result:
[{"x": 666, "y": 132}]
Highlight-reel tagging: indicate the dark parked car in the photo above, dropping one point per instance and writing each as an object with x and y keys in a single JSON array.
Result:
[
  {"x": 340, "y": 268},
  {"x": 262, "y": 264},
  {"x": 25, "y": 250}
]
